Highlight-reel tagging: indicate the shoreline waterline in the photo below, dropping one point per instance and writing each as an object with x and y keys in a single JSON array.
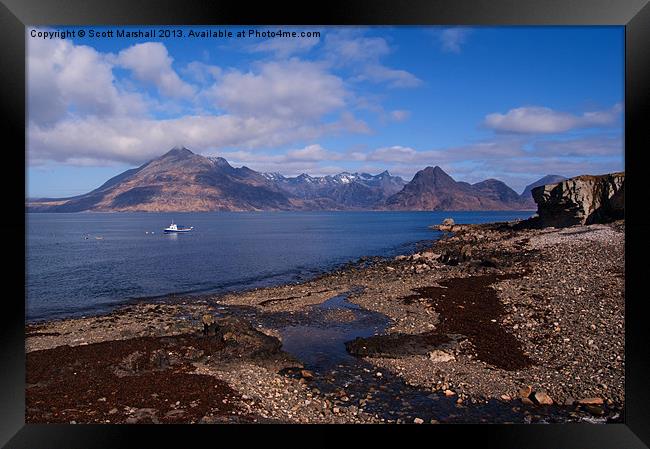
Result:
[
  {"x": 69, "y": 275},
  {"x": 506, "y": 262}
]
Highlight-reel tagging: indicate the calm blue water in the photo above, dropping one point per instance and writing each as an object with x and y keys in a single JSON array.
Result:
[{"x": 71, "y": 272}]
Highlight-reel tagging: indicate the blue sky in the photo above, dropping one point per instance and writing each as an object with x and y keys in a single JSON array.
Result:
[{"x": 512, "y": 103}]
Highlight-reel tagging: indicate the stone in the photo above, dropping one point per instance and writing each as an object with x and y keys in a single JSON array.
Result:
[
  {"x": 591, "y": 401},
  {"x": 438, "y": 356},
  {"x": 466, "y": 252},
  {"x": 526, "y": 401},
  {"x": 418, "y": 421},
  {"x": 506, "y": 397},
  {"x": 581, "y": 200},
  {"x": 208, "y": 323},
  {"x": 524, "y": 392},
  {"x": 595, "y": 409},
  {"x": 306, "y": 374},
  {"x": 542, "y": 398},
  {"x": 449, "y": 393}
]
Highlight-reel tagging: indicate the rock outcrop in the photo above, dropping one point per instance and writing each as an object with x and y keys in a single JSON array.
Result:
[
  {"x": 581, "y": 200},
  {"x": 527, "y": 197}
]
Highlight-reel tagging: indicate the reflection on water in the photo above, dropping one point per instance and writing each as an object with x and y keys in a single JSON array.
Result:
[{"x": 321, "y": 343}]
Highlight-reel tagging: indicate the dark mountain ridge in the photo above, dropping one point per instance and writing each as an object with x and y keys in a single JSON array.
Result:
[{"x": 433, "y": 189}]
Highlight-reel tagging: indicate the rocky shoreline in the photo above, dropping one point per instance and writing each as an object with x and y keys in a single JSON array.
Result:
[{"x": 530, "y": 320}]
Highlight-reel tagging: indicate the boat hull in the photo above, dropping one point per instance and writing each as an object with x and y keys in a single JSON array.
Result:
[{"x": 177, "y": 231}]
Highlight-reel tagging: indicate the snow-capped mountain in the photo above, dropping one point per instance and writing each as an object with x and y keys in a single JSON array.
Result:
[{"x": 350, "y": 190}]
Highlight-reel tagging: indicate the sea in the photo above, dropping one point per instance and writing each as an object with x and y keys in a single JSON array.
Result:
[{"x": 81, "y": 264}]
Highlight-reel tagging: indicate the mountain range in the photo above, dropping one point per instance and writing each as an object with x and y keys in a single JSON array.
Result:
[{"x": 181, "y": 180}]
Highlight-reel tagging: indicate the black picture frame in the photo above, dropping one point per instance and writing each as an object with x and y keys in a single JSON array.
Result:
[{"x": 15, "y": 15}]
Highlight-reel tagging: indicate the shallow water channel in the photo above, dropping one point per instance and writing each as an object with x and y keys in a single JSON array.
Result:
[{"x": 317, "y": 338}]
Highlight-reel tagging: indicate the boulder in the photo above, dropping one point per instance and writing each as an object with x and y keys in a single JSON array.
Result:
[
  {"x": 524, "y": 392},
  {"x": 542, "y": 398},
  {"x": 581, "y": 200},
  {"x": 242, "y": 339},
  {"x": 438, "y": 356},
  {"x": 447, "y": 225}
]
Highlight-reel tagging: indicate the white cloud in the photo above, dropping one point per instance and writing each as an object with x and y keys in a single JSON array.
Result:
[
  {"x": 136, "y": 140},
  {"x": 591, "y": 146},
  {"x": 150, "y": 62},
  {"x": 501, "y": 149},
  {"x": 291, "y": 163},
  {"x": 452, "y": 39},
  {"x": 378, "y": 73},
  {"x": 202, "y": 72},
  {"x": 285, "y": 47},
  {"x": 312, "y": 153},
  {"x": 62, "y": 77},
  {"x": 349, "y": 47},
  {"x": 399, "y": 115},
  {"x": 291, "y": 90},
  {"x": 543, "y": 120},
  {"x": 79, "y": 112}
]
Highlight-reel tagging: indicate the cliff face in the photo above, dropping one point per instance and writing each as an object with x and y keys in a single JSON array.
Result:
[
  {"x": 581, "y": 200},
  {"x": 526, "y": 195}
]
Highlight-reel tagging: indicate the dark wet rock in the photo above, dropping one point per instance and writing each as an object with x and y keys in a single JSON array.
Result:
[
  {"x": 450, "y": 257},
  {"x": 595, "y": 409},
  {"x": 241, "y": 339},
  {"x": 399, "y": 344}
]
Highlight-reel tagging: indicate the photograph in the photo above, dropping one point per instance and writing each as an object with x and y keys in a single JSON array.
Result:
[{"x": 325, "y": 224}]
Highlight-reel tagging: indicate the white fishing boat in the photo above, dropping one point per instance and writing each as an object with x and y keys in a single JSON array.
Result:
[{"x": 173, "y": 228}]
